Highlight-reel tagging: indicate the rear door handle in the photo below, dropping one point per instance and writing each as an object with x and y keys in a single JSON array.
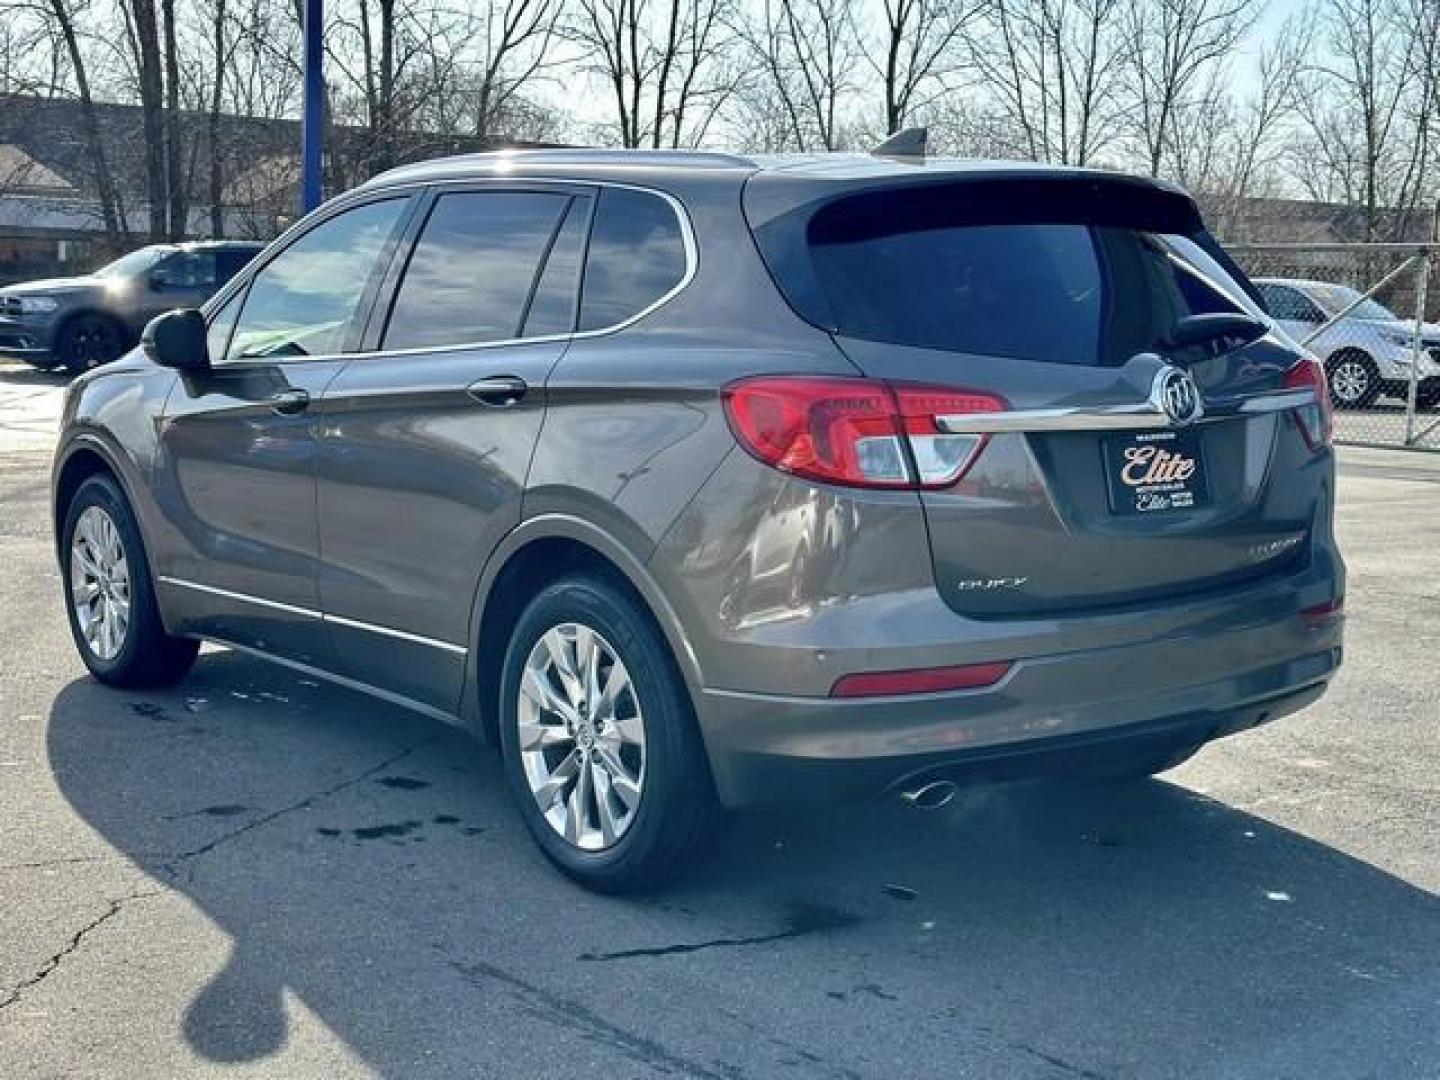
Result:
[
  {"x": 498, "y": 391},
  {"x": 290, "y": 402}
]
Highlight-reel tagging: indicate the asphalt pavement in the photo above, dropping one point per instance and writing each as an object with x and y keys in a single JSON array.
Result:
[{"x": 255, "y": 875}]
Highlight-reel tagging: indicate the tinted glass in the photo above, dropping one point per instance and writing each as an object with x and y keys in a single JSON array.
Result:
[
  {"x": 473, "y": 269},
  {"x": 193, "y": 270},
  {"x": 636, "y": 256},
  {"x": 1056, "y": 275},
  {"x": 552, "y": 309},
  {"x": 230, "y": 261},
  {"x": 1287, "y": 303},
  {"x": 302, "y": 303}
]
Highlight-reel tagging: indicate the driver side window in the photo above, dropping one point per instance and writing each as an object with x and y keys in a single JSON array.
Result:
[{"x": 304, "y": 301}]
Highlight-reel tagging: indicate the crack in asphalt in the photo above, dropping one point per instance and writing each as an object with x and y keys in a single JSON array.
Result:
[
  {"x": 802, "y": 919},
  {"x": 1067, "y": 1067},
  {"x": 51, "y": 965},
  {"x": 173, "y": 864},
  {"x": 574, "y": 1015}
]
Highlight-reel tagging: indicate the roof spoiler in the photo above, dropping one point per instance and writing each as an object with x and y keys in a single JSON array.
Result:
[{"x": 905, "y": 143}]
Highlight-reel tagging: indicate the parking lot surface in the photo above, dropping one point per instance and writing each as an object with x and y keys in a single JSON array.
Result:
[{"x": 255, "y": 875}]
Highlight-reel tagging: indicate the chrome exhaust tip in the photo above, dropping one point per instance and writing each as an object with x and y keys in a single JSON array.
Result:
[{"x": 929, "y": 796}]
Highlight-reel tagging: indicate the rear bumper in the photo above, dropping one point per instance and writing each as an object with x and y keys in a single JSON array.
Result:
[{"x": 1104, "y": 702}]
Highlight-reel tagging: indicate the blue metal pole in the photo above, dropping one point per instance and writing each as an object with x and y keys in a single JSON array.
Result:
[{"x": 312, "y": 127}]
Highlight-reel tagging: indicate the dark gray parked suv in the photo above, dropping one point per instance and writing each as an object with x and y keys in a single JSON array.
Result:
[
  {"x": 698, "y": 482},
  {"x": 81, "y": 322}
]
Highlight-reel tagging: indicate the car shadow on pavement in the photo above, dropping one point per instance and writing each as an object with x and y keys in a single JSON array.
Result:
[{"x": 369, "y": 863}]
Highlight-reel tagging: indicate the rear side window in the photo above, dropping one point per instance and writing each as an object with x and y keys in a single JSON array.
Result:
[
  {"x": 966, "y": 269},
  {"x": 473, "y": 268},
  {"x": 636, "y": 257}
]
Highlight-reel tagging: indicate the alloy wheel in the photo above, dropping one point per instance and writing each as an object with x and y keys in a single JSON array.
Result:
[
  {"x": 100, "y": 583},
  {"x": 1349, "y": 381},
  {"x": 581, "y": 736}
]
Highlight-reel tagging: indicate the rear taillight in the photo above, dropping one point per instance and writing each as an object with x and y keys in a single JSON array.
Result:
[
  {"x": 856, "y": 432},
  {"x": 1317, "y": 422}
]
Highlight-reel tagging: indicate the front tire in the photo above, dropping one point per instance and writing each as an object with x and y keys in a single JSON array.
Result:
[
  {"x": 87, "y": 341},
  {"x": 600, "y": 741},
  {"x": 109, "y": 595}
]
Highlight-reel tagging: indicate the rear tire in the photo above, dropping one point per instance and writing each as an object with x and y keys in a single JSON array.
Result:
[
  {"x": 109, "y": 594},
  {"x": 1354, "y": 379},
  {"x": 597, "y": 725}
]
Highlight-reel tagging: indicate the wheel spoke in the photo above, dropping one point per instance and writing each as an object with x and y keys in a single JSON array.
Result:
[
  {"x": 577, "y": 811},
  {"x": 554, "y": 787},
  {"x": 538, "y": 736},
  {"x": 536, "y": 686},
  {"x": 620, "y": 779},
  {"x": 560, "y": 655},
  {"x": 616, "y": 684},
  {"x": 605, "y": 809}
]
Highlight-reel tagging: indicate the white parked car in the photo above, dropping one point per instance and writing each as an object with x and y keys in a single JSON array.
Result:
[{"x": 1367, "y": 353}]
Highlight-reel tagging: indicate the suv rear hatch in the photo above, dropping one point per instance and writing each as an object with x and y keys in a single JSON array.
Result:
[{"x": 1055, "y": 306}]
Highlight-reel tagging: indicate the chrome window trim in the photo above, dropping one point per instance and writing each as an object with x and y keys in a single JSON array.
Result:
[
  {"x": 319, "y": 616},
  {"x": 1140, "y": 416},
  {"x": 687, "y": 238}
]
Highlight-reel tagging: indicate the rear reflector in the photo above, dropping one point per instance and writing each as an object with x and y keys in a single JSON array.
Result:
[
  {"x": 1318, "y": 615},
  {"x": 920, "y": 680}
]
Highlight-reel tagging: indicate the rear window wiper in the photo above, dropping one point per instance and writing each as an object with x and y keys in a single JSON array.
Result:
[{"x": 1222, "y": 331}]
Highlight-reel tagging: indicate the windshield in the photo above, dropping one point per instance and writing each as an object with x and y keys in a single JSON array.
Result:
[
  {"x": 137, "y": 262},
  {"x": 1335, "y": 298}
]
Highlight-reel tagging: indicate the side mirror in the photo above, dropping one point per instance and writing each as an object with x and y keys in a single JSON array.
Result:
[{"x": 177, "y": 340}]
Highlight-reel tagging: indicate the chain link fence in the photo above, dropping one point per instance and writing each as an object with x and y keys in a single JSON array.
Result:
[{"x": 1364, "y": 310}]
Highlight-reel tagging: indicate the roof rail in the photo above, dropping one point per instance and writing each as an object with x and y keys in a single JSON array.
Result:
[{"x": 905, "y": 143}]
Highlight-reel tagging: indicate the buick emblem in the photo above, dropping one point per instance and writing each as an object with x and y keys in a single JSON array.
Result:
[{"x": 1175, "y": 393}]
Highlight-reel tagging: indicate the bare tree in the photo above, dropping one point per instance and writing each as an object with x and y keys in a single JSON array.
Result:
[
  {"x": 1370, "y": 110},
  {"x": 1172, "y": 45},
  {"x": 664, "y": 62},
  {"x": 1055, "y": 69},
  {"x": 919, "y": 53},
  {"x": 804, "y": 56},
  {"x": 104, "y": 179}
]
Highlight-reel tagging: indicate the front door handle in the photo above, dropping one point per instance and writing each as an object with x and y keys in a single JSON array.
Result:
[
  {"x": 498, "y": 391},
  {"x": 290, "y": 402}
]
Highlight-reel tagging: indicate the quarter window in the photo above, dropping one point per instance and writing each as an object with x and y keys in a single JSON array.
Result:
[
  {"x": 636, "y": 256},
  {"x": 473, "y": 269},
  {"x": 304, "y": 301}
]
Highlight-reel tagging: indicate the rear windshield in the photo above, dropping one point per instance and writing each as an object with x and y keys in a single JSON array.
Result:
[{"x": 1068, "y": 275}]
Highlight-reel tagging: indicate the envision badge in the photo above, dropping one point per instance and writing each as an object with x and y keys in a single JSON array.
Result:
[
  {"x": 973, "y": 584},
  {"x": 1175, "y": 393}
]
